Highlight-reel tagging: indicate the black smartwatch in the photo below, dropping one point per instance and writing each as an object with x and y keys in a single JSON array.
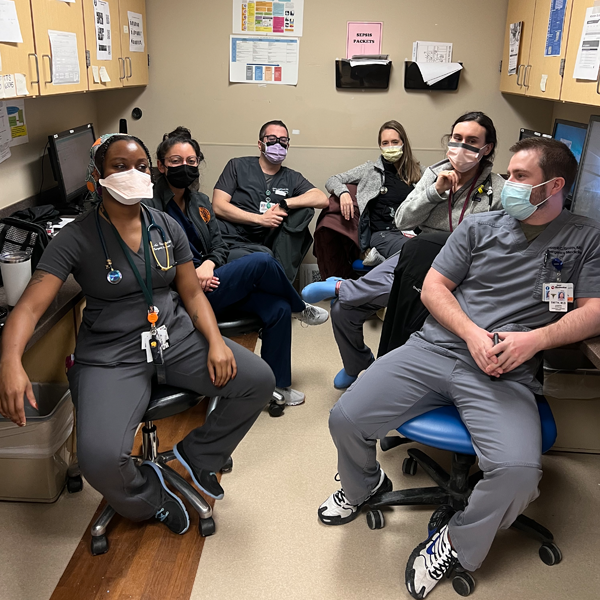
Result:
[{"x": 284, "y": 205}]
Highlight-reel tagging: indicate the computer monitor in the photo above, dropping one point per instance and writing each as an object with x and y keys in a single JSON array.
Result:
[
  {"x": 586, "y": 197},
  {"x": 527, "y": 133},
  {"x": 571, "y": 134},
  {"x": 69, "y": 153}
]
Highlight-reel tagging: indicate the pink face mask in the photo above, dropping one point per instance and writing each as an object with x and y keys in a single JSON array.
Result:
[
  {"x": 128, "y": 187},
  {"x": 464, "y": 157}
]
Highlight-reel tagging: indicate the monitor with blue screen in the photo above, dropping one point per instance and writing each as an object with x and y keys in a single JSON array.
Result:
[{"x": 572, "y": 134}]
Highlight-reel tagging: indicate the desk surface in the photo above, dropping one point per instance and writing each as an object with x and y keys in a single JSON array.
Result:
[
  {"x": 68, "y": 297},
  {"x": 591, "y": 348}
]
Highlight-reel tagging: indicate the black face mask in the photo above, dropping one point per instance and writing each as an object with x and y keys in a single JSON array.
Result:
[{"x": 182, "y": 176}]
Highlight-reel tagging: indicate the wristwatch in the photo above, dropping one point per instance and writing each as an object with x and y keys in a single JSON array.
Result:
[{"x": 284, "y": 205}]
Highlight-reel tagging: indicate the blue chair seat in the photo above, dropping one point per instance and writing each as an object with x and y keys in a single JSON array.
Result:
[
  {"x": 442, "y": 428},
  {"x": 359, "y": 267}
]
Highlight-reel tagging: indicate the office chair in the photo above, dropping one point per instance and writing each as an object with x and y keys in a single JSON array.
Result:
[
  {"x": 167, "y": 401},
  {"x": 442, "y": 428}
]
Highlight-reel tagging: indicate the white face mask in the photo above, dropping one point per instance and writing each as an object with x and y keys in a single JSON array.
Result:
[
  {"x": 128, "y": 187},
  {"x": 463, "y": 156}
]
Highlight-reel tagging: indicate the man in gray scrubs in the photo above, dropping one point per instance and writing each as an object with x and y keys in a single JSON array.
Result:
[{"x": 490, "y": 277}]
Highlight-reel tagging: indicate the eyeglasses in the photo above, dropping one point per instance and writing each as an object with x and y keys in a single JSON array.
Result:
[
  {"x": 176, "y": 161},
  {"x": 273, "y": 139}
]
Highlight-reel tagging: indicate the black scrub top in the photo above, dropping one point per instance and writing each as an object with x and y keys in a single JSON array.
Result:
[
  {"x": 248, "y": 186},
  {"x": 383, "y": 208},
  {"x": 116, "y": 315}
]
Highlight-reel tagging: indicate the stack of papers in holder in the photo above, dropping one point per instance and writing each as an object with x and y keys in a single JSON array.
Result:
[
  {"x": 368, "y": 59},
  {"x": 434, "y": 72}
]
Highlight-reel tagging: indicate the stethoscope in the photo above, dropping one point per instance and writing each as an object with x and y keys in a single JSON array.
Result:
[{"x": 115, "y": 276}]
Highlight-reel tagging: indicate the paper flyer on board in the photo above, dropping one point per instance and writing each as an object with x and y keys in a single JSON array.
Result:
[
  {"x": 136, "y": 32},
  {"x": 10, "y": 30},
  {"x": 65, "y": 60},
  {"x": 588, "y": 54},
  {"x": 103, "y": 30},
  {"x": 280, "y": 17},
  {"x": 363, "y": 38},
  {"x": 15, "y": 110},
  {"x": 263, "y": 60},
  {"x": 514, "y": 43}
]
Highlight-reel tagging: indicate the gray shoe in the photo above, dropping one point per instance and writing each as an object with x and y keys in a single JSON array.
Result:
[
  {"x": 373, "y": 258},
  {"x": 312, "y": 315}
]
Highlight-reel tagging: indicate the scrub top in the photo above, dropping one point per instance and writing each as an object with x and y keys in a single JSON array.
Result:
[
  {"x": 500, "y": 277},
  {"x": 116, "y": 315},
  {"x": 248, "y": 186}
]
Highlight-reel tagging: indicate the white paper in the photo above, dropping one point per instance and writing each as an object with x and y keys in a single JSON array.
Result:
[
  {"x": 21, "y": 83},
  {"x": 67, "y": 1},
  {"x": 432, "y": 52},
  {"x": 136, "y": 32},
  {"x": 5, "y": 136},
  {"x": 4, "y": 152},
  {"x": 0, "y": 62},
  {"x": 263, "y": 60},
  {"x": 103, "y": 30},
  {"x": 95, "y": 74},
  {"x": 15, "y": 110},
  {"x": 8, "y": 85},
  {"x": 65, "y": 60},
  {"x": 279, "y": 18},
  {"x": 588, "y": 54},
  {"x": 434, "y": 72},
  {"x": 514, "y": 43},
  {"x": 104, "y": 78},
  {"x": 10, "y": 31},
  {"x": 543, "y": 83}
]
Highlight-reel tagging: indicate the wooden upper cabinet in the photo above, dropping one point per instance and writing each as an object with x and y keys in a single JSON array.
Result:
[
  {"x": 578, "y": 90},
  {"x": 63, "y": 17},
  {"x": 544, "y": 71},
  {"x": 136, "y": 63},
  {"x": 518, "y": 10},
  {"x": 98, "y": 35},
  {"x": 20, "y": 57}
]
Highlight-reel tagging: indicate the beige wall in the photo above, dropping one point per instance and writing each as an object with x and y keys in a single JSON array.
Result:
[
  {"x": 189, "y": 51},
  {"x": 20, "y": 175}
]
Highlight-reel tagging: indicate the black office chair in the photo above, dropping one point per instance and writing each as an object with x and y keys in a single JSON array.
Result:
[{"x": 442, "y": 428}]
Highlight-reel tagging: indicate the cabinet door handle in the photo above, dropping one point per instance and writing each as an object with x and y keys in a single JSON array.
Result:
[
  {"x": 37, "y": 67},
  {"x": 519, "y": 75},
  {"x": 121, "y": 61},
  {"x": 127, "y": 58},
  {"x": 525, "y": 78},
  {"x": 50, "y": 63}
]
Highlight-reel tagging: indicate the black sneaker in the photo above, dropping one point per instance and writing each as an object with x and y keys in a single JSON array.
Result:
[
  {"x": 336, "y": 510},
  {"x": 206, "y": 480},
  {"x": 172, "y": 513}
]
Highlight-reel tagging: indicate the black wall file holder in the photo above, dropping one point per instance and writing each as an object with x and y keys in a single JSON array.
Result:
[
  {"x": 413, "y": 80},
  {"x": 375, "y": 77}
]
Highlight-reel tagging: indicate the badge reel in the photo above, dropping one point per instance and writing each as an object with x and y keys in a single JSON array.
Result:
[{"x": 558, "y": 294}]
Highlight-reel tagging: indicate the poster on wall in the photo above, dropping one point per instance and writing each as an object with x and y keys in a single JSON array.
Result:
[
  {"x": 280, "y": 17},
  {"x": 263, "y": 60},
  {"x": 514, "y": 43},
  {"x": 17, "y": 125},
  {"x": 65, "y": 59},
  {"x": 136, "y": 32},
  {"x": 555, "y": 27},
  {"x": 103, "y": 30},
  {"x": 363, "y": 38},
  {"x": 588, "y": 54},
  {"x": 10, "y": 30}
]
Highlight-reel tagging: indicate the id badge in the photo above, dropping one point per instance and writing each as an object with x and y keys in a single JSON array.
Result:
[
  {"x": 558, "y": 296},
  {"x": 264, "y": 207},
  {"x": 154, "y": 347}
]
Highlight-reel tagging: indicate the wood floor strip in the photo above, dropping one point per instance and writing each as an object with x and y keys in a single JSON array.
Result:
[{"x": 145, "y": 561}]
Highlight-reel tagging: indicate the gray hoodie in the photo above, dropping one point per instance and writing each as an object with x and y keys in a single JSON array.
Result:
[{"x": 426, "y": 209}]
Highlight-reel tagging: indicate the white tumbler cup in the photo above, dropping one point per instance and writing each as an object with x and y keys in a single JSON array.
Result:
[{"x": 16, "y": 273}]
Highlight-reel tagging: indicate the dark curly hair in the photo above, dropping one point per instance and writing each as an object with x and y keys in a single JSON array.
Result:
[{"x": 181, "y": 135}]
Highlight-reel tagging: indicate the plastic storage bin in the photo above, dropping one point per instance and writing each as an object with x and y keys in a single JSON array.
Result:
[{"x": 34, "y": 459}]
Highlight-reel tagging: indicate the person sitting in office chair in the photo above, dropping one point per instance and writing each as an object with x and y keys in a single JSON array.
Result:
[
  {"x": 265, "y": 207},
  {"x": 489, "y": 278},
  {"x": 255, "y": 283},
  {"x": 135, "y": 329},
  {"x": 461, "y": 184}
]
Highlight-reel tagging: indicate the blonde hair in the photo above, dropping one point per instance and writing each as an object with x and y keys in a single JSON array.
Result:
[{"x": 408, "y": 168}]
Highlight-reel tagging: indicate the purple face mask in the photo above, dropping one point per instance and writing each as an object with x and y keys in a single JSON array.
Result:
[{"x": 275, "y": 153}]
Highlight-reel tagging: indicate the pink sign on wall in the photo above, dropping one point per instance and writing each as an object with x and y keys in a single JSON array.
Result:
[{"x": 363, "y": 38}]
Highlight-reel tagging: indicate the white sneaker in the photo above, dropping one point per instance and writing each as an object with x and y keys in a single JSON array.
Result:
[
  {"x": 336, "y": 510},
  {"x": 373, "y": 258},
  {"x": 312, "y": 315},
  {"x": 292, "y": 397},
  {"x": 428, "y": 563}
]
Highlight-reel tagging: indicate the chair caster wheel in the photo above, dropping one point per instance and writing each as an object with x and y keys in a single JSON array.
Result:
[
  {"x": 206, "y": 527},
  {"x": 99, "y": 545},
  {"x": 463, "y": 583},
  {"x": 228, "y": 466},
  {"x": 550, "y": 553},
  {"x": 409, "y": 466},
  {"x": 74, "y": 484},
  {"x": 276, "y": 410},
  {"x": 375, "y": 519}
]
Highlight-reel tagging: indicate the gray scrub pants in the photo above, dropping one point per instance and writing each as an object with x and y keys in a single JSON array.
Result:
[
  {"x": 388, "y": 242},
  {"x": 501, "y": 416},
  {"x": 359, "y": 300},
  {"x": 111, "y": 402}
]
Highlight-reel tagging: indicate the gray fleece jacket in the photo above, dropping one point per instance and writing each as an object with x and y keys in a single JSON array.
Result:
[{"x": 426, "y": 209}]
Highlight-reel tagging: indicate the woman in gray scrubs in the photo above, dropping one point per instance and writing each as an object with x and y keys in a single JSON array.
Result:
[{"x": 132, "y": 332}]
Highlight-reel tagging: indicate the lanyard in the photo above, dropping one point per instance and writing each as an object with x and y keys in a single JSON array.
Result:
[{"x": 464, "y": 208}]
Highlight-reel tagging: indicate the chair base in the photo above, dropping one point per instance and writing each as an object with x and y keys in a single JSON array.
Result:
[{"x": 453, "y": 489}]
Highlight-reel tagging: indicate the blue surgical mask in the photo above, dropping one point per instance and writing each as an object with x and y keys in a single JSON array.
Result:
[{"x": 515, "y": 199}]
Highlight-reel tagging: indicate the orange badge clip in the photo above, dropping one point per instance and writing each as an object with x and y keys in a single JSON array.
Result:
[{"x": 152, "y": 317}]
